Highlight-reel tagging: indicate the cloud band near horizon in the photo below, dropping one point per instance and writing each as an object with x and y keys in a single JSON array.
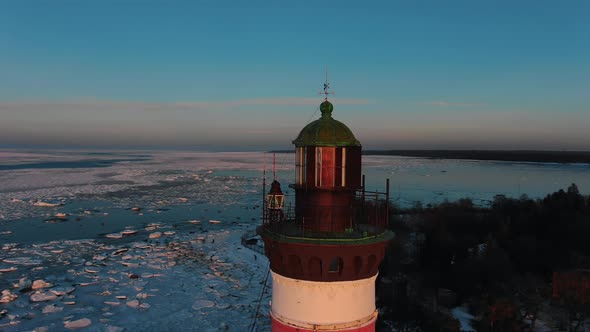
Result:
[{"x": 95, "y": 104}]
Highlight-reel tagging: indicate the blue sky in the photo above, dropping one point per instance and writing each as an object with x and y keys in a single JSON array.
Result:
[{"x": 246, "y": 74}]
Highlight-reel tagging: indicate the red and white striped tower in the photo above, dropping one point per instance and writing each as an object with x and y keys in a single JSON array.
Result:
[{"x": 324, "y": 255}]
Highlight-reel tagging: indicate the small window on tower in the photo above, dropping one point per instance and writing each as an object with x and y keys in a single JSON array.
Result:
[
  {"x": 358, "y": 264},
  {"x": 372, "y": 261},
  {"x": 315, "y": 267},
  {"x": 335, "y": 265},
  {"x": 295, "y": 267}
]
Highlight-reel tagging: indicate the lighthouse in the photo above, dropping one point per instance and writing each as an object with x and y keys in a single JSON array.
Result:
[{"x": 325, "y": 252}]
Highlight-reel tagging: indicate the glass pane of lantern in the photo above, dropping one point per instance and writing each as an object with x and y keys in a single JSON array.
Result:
[
  {"x": 318, "y": 167},
  {"x": 280, "y": 201},
  {"x": 298, "y": 165},
  {"x": 302, "y": 170},
  {"x": 328, "y": 166},
  {"x": 275, "y": 201},
  {"x": 344, "y": 167}
]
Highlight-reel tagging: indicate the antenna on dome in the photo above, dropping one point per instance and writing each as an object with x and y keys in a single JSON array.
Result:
[
  {"x": 326, "y": 87},
  {"x": 274, "y": 167}
]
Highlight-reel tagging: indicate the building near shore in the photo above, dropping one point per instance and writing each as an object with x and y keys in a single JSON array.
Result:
[{"x": 571, "y": 287}]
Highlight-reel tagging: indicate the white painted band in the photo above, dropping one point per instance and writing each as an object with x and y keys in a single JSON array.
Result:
[{"x": 322, "y": 303}]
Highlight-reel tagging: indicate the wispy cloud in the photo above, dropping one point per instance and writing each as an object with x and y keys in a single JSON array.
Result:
[
  {"x": 283, "y": 101},
  {"x": 100, "y": 105},
  {"x": 451, "y": 104}
]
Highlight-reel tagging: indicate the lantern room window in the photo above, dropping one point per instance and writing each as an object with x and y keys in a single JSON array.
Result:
[
  {"x": 343, "y": 176},
  {"x": 300, "y": 165},
  {"x": 325, "y": 166}
]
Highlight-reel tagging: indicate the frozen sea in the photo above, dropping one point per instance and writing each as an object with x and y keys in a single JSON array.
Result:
[{"x": 123, "y": 240}]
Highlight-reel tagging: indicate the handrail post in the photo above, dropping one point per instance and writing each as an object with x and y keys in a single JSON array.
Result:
[
  {"x": 387, "y": 203},
  {"x": 363, "y": 189},
  {"x": 264, "y": 216},
  {"x": 363, "y": 216}
]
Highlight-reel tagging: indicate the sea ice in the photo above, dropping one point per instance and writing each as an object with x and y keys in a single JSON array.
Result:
[
  {"x": 7, "y": 296},
  {"x": 77, "y": 324},
  {"x": 193, "y": 262}
]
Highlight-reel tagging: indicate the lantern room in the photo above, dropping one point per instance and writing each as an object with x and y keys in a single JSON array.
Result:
[{"x": 327, "y": 155}]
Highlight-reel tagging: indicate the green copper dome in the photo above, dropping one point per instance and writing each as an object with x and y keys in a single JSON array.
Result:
[{"x": 326, "y": 131}]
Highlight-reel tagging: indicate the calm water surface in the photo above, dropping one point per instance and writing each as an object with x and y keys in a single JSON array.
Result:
[{"x": 436, "y": 180}]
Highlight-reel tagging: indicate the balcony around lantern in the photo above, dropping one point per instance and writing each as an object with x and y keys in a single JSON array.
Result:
[{"x": 368, "y": 222}]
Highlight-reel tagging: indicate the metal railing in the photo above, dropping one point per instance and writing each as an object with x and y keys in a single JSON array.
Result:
[{"x": 368, "y": 217}]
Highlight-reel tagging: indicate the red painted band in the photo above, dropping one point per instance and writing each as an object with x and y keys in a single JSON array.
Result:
[{"x": 278, "y": 326}]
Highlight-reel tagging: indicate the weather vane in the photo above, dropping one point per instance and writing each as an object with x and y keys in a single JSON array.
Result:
[{"x": 326, "y": 87}]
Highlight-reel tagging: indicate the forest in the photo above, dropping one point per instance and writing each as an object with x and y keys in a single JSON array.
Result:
[
  {"x": 499, "y": 155},
  {"x": 500, "y": 261}
]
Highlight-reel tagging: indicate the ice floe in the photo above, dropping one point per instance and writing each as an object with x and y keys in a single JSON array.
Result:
[
  {"x": 155, "y": 235},
  {"x": 38, "y": 284},
  {"x": 45, "y": 204},
  {"x": 8, "y": 269},
  {"x": 7, "y": 296},
  {"x": 51, "y": 309},
  {"x": 77, "y": 324},
  {"x": 42, "y": 296}
]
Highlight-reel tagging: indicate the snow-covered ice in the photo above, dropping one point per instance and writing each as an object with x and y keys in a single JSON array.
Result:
[
  {"x": 75, "y": 255},
  {"x": 171, "y": 283}
]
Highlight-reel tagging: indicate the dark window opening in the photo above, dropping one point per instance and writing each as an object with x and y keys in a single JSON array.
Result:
[
  {"x": 315, "y": 267},
  {"x": 371, "y": 263},
  {"x": 295, "y": 266},
  {"x": 358, "y": 264},
  {"x": 335, "y": 265}
]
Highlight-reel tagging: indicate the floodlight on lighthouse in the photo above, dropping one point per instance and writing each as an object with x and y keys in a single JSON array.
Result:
[{"x": 275, "y": 199}]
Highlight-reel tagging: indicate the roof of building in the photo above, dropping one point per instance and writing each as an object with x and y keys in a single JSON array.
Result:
[{"x": 326, "y": 131}]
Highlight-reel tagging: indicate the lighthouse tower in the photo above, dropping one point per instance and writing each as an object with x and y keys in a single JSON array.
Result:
[{"x": 324, "y": 254}]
